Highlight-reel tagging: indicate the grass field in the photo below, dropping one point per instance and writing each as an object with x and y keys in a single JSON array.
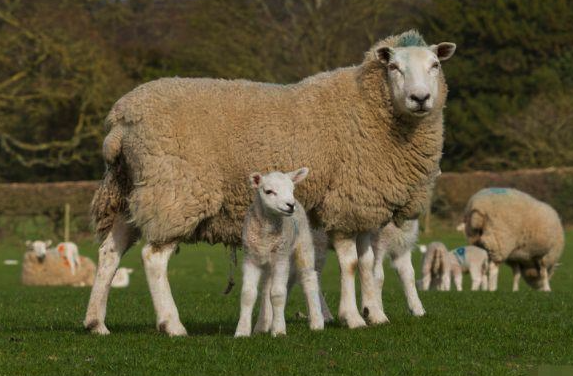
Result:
[{"x": 467, "y": 333}]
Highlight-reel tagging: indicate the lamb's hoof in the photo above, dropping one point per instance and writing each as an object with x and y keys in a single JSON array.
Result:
[
  {"x": 316, "y": 325},
  {"x": 96, "y": 327},
  {"x": 328, "y": 317},
  {"x": 242, "y": 334},
  {"x": 418, "y": 311},
  {"x": 172, "y": 329},
  {"x": 375, "y": 316},
  {"x": 353, "y": 321},
  {"x": 263, "y": 328}
]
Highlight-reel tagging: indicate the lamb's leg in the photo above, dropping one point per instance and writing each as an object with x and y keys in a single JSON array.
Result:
[
  {"x": 544, "y": 276},
  {"x": 251, "y": 276},
  {"x": 279, "y": 276},
  {"x": 370, "y": 293},
  {"x": 116, "y": 244},
  {"x": 403, "y": 265},
  {"x": 475, "y": 275},
  {"x": 446, "y": 281},
  {"x": 493, "y": 272},
  {"x": 304, "y": 261},
  {"x": 379, "y": 254},
  {"x": 458, "y": 280},
  {"x": 426, "y": 279},
  {"x": 516, "y": 276},
  {"x": 345, "y": 247},
  {"x": 155, "y": 261},
  {"x": 265, "y": 318}
]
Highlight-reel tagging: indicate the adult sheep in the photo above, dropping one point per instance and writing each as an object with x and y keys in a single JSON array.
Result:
[
  {"x": 178, "y": 150},
  {"x": 515, "y": 228}
]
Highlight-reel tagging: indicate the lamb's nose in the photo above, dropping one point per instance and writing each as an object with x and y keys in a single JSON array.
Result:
[
  {"x": 290, "y": 206},
  {"x": 420, "y": 98}
]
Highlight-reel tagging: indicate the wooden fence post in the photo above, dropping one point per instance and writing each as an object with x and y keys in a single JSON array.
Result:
[{"x": 67, "y": 223}]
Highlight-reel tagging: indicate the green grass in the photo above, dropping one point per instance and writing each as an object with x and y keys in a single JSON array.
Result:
[{"x": 468, "y": 333}]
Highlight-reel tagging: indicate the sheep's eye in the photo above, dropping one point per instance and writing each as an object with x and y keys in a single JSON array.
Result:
[
  {"x": 392, "y": 67},
  {"x": 268, "y": 191}
]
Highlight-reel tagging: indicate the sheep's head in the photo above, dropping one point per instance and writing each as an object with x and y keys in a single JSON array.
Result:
[
  {"x": 276, "y": 190},
  {"x": 414, "y": 73},
  {"x": 40, "y": 248}
]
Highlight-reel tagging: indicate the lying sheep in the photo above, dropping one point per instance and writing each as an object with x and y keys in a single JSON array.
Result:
[
  {"x": 436, "y": 268},
  {"x": 121, "y": 278},
  {"x": 275, "y": 230},
  {"x": 178, "y": 149},
  {"x": 515, "y": 228},
  {"x": 398, "y": 244},
  {"x": 52, "y": 270},
  {"x": 68, "y": 251},
  {"x": 473, "y": 260}
]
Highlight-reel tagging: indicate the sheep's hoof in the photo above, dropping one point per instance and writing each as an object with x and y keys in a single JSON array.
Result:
[
  {"x": 96, "y": 327},
  {"x": 353, "y": 321},
  {"x": 317, "y": 325},
  {"x": 173, "y": 329},
  {"x": 262, "y": 328},
  {"x": 278, "y": 333},
  {"x": 242, "y": 334},
  {"x": 375, "y": 316},
  {"x": 418, "y": 311}
]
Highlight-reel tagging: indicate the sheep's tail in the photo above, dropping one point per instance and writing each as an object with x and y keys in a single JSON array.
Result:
[
  {"x": 232, "y": 267},
  {"x": 437, "y": 262},
  {"x": 110, "y": 199}
]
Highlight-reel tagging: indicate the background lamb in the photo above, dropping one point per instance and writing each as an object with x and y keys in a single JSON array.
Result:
[
  {"x": 178, "y": 150},
  {"x": 398, "y": 244},
  {"x": 473, "y": 260},
  {"x": 276, "y": 230},
  {"x": 68, "y": 251},
  {"x": 515, "y": 228},
  {"x": 436, "y": 268}
]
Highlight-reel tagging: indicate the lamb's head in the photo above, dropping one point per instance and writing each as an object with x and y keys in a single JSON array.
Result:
[
  {"x": 276, "y": 190},
  {"x": 40, "y": 248},
  {"x": 414, "y": 74}
]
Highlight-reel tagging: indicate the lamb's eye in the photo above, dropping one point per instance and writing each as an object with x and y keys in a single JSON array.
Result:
[
  {"x": 392, "y": 67},
  {"x": 269, "y": 192},
  {"x": 436, "y": 65}
]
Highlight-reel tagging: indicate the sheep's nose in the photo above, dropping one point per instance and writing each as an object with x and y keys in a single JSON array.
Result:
[
  {"x": 290, "y": 206},
  {"x": 420, "y": 98}
]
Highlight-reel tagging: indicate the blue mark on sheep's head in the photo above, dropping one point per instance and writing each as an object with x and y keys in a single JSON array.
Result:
[{"x": 411, "y": 38}]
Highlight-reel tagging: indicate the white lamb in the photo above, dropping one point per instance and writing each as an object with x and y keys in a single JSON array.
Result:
[
  {"x": 473, "y": 260},
  {"x": 66, "y": 250},
  {"x": 276, "y": 229}
]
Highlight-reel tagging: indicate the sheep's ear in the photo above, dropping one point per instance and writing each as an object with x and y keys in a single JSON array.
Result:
[
  {"x": 255, "y": 179},
  {"x": 384, "y": 54},
  {"x": 298, "y": 175},
  {"x": 443, "y": 50},
  {"x": 48, "y": 243}
]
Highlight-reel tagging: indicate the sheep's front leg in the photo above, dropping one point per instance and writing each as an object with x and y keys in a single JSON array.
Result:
[
  {"x": 280, "y": 274},
  {"x": 155, "y": 261},
  {"x": 516, "y": 276},
  {"x": 403, "y": 265},
  {"x": 265, "y": 318},
  {"x": 544, "y": 276},
  {"x": 113, "y": 248},
  {"x": 493, "y": 272},
  {"x": 251, "y": 276},
  {"x": 345, "y": 247},
  {"x": 370, "y": 293},
  {"x": 304, "y": 261}
]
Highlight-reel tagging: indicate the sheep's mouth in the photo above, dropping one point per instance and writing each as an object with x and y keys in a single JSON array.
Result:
[
  {"x": 421, "y": 112},
  {"x": 287, "y": 213}
]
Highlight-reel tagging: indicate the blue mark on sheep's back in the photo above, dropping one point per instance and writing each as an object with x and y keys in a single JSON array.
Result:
[
  {"x": 498, "y": 191},
  {"x": 411, "y": 39},
  {"x": 461, "y": 251}
]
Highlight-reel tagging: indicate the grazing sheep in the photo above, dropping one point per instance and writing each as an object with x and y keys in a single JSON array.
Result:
[
  {"x": 121, "y": 278},
  {"x": 436, "y": 268},
  {"x": 52, "y": 270},
  {"x": 398, "y": 244},
  {"x": 178, "y": 149},
  {"x": 275, "y": 230},
  {"x": 472, "y": 260},
  {"x": 68, "y": 251},
  {"x": 515, "y": 228}
]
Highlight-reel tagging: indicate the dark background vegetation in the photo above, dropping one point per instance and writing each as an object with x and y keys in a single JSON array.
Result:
[{"x": 63, "y": 63}]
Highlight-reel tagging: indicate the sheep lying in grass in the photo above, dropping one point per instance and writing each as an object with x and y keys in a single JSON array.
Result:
[
  {"x": 178, "y": 149},
  {"x": 398, "y": 243},
  {"x": 276, "y": 229},
  {"x": 68, "y": 251},
  {"x": 515, "y": 228},
  {"x": 473, "y": 260},
  {"x": 436, "y": 268},
  {"x": 53, "y": 270}
]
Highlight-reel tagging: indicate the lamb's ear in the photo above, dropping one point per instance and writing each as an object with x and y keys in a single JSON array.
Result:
[
  {"x": 48, "y": 243},
  {"x": 255, "y": 179},
  {"x": 298, "y": 175},
  {"x": 384, "y": 54},
  {"x": 443, "y": 50}
]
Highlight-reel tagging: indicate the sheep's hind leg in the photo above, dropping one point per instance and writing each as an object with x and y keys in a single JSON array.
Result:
[
  {"x": 370, "y": 307},
  {"x": 305, "y": 266},
  {"x": 155, "y": 261},
  {"x": 403, "y": 265},
  {"x": 116, "y": 244},
  {"x": 348, "y": 259},
  {"x": 493, "y": 272}
]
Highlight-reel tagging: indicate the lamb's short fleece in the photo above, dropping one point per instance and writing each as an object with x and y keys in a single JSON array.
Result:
[{"x": 515, "y": 228}]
